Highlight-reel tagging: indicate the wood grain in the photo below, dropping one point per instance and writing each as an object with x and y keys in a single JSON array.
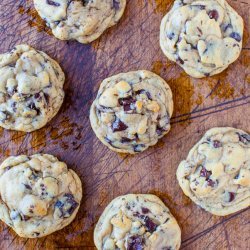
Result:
[{"x": 200, "y": 104}]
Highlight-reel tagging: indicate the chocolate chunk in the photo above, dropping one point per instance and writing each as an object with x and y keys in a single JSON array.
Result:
[
  {"x": 170, "y": 35},
  {"x": 118, "y": 125},
  {"x": 66, "y": 205},
  {"x": 244, "y": 138},
  {"x": 28, "y": 186},
  {"x": 205, "y": 173},
  {"x": 217, "y": 144},
  {"x": 231, "y": 196},
  {"x": 127, "y": 103},
  {"x": 236, "y": 36},
  {"x": 33, "y": 107},
  {"x": 36, "y": 234},
  {"x": 116, "y": 4},
  {"x": 210, "y": 183},
  {"x": 138, "y": 148},
  {"x": 145, "y": 210},
  {"x": 179, "y": 60},
  {"x": 143, "y": 91},
  {"x": 50, "y": 2},
  {"x": 126, "y": 140},
  {"x": 213, "y": 14},
  {"x": 149, "y": 224},
  {"x": 136, "y": 242}
]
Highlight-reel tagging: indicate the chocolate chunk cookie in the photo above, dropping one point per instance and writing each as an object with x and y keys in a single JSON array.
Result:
[
  {"x": 132, "y": 111},
  {"x": 31, "y": 89},
  {"x": 83, "y": 20},
  {"x": 216, "y": 173},
  {"x": 137, "y": 222},
  {"x": 38, "y": 194},
  {"x": 203, "y": 37}
]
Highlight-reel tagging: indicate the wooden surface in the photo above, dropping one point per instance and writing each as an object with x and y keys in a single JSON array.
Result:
[{"x": 222, "y": 100}]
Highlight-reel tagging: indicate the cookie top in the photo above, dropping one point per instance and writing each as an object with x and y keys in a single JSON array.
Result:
[
  {"x": 139, "y": 221},
  {"x": 216, "y": 173},
  {"x": 31, "y": 89},
  {"x": 132, "y": 111},
  {"x": 203, "y": 37},
  {"x": 38, "y": 194},
  {"x": 83, "y": 20}
]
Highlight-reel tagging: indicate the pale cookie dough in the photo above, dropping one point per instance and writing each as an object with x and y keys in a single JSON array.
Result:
[
  {"x": 216, "y": 173},
  {"x": 203, "y": 37},
  {"x": 136, "y": 222},
  {"x": 31, "y": 89},
  {"x": 38, "y": 194},
  {"x": 83, "y": 20},
  {"x": 132, "y": 111}
]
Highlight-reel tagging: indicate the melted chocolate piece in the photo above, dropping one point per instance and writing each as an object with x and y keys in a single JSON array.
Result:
[
  {"x": 135, "y": 242},
  {"x": 149, "y": 224},
  {"x": 118, "y": 125},
  {"x": 213, "y": 14},
  {"x": 51, "y": 2},
  {"x": 205, "y": 173},
  {"x": 236, "y": 36},
  {"x": 145, "y": 210},
  {"x": 244, "y": 138},
  {"x": 126, "y": 140},
  {"x": 210, "y": 183},
  {"x": 27, "y": 186}
]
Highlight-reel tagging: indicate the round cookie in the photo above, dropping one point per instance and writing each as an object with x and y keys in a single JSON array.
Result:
[
  {"x": 31, "y": 89},
  {"x": 83, "y": 20},
  {"x": 203, "y": 37},
  {"x": 132, "y": 111},
  {"x": 216, "y": 173},
  {"x": 137, "y": 221},
  {"x": 38, "y": 194}
]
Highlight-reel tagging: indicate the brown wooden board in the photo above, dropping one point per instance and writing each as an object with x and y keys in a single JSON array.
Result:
[{"x": 200, "y": 104}]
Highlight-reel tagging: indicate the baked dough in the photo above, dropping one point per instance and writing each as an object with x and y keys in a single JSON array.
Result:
[
  {"x": 203, "y": 37},
  {"x": 216, "y": 173},
  {"x": 137, "y": 221},
  {"x": 31, "y": 89},
  {"x": 83, "y": 20},
  {"x": 38, "y": 194},
  {"x": 132, "y": 111}
]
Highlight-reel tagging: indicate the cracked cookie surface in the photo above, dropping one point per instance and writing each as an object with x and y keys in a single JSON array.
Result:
[
  {"x": 132, "y": 111},
  {"x": 31, "y": 89},
  {"x": 203, "y": 37},
  {"x": 83, "y": 20},
  {"x": 216, "y": 173},
  {"x": 38, "y": 194},
  {"x": 137, "y": 221}
]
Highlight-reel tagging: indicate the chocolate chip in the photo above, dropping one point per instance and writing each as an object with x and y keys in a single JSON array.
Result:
[
  {"x": 136, "y": 242},
  {"x": 236, "y": 36},
  {"x": 36, "y": 234},
  {"x": 138, "y": 148},
  {"x": 118, "y": 125},
  {"x": 46, "y": 97},
  {"x": 50, "y": 2},
  {"x": 127, "y": 103},
  {"x": 213, "y": 14},
  {"x": 126, "y": 140},
  {"x": 33, "y": 107},
  {"x": 13, "y": 105},
  {"x": 5, "y": 116},
  {"x": 143, "y": 91},
  {"x": 217, "y": 144},
  {"x": 244, "y": 138},
  {"x": 231, "y": 196},
  {"x": 25, "y": 217},
  {"x": 205, "y": 173},
  {"x": 145, "y": 210},
  {"x": 200, "y": 31},
  {"x": 149, "y": 224},
  {"x": 160, "y": 130}
]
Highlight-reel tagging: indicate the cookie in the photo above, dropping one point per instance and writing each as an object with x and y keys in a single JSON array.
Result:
[
  {"x": 38, "y": 194},
  {"x": 203, "y": 37},
  {"x": 137, "y": 221},
  {"x": 132, "y": 111},
  {"x": 31, "y": 89},
  {"x": 83, "y": 21},
  {"x": 216, "y": 173}
]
